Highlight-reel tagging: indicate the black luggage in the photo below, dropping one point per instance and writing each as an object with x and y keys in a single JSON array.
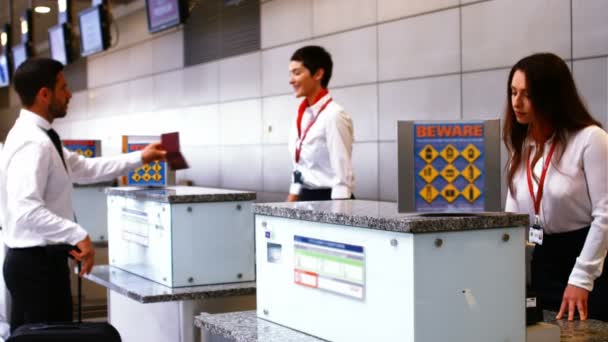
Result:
[{"x": 67, "y": 332}]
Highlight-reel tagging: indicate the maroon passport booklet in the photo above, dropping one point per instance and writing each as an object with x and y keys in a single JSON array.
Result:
[{"x": 175, "y": 159}]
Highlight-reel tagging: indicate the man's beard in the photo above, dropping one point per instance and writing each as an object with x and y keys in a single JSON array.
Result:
[{"x": 57, "y": 110}]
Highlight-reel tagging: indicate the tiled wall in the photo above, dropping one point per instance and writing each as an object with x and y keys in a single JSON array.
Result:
[{"x": 394, "y": 60}]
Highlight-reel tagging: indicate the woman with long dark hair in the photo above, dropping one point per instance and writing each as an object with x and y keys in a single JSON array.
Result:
[{"x": 557, "y": 172}]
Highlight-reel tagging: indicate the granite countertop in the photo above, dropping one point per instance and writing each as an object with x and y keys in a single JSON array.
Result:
[
  {"x": 590, "y": 330},
  {"x": 385, "y": 216},
  {"x": 106, "y": 184},
  {"x": 182, "y": 194},
  {"x": 147, "y": 291},
  {"x": 244, "y": 326}
]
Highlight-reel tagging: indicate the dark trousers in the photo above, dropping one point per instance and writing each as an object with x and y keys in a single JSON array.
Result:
[
  {"x": 38, "y": 280},
  {"x": 552, "y": 264},
  {"x": 317, "y": 195}
]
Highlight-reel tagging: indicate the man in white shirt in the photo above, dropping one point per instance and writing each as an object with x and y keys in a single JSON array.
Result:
[
  {"x": 36, "y": 176},
  {"x": 321, "y": 138}
]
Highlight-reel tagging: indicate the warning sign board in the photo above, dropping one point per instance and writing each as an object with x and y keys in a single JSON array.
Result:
[{"x": 449, "y": 166}]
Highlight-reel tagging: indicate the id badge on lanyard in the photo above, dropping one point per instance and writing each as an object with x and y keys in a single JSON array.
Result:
[{"x": 536, "y": 230}]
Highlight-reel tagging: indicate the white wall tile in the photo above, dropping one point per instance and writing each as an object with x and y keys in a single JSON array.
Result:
[
  {"x": 337, "y": 15},
  {"x": 484, "y": 94},
  {"x": 133, "y": 28},
  {"x": 435, "y": 98},
  {"x": 140, "y": 59},
  {"x": 78, "y": 107},
  {"x": 168, "y": 52},
  {"x": 499, "y": 33},
  {"x": 388, "y": 170},
  {"x": 204, "y": 165},
  {"x": 275, "y": 69},
  {"x": 168, "y": 89},
  {"x": 97, "y": 72},
  {"x": 109, "y": 100},
  {"x": 278, "y": 18},
  {"x": 201, "y": 84},
  {"x": 391, "y": 9},
  {"x": 591, "y": 78},
  {"x": 365, "y": 169},
  {"x": 590, "y": 27},
  {"x": 279, "y": 113},
  {"x": 141, "y": 95},
  {"x": 361, "y": 103},
  {"x": 419, "y": 46},
  {"x": 199, "y": 125},
  {"x": 241, "y": 167},
  {"x": 277, "y": 168},
  {"x": 241, "y": 122},
  {"x": 240, "y": 77},
  {"x": 354, "y": 56}
]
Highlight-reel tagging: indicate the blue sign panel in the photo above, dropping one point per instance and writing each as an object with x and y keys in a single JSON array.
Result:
[{"x": 449, "y": 167}]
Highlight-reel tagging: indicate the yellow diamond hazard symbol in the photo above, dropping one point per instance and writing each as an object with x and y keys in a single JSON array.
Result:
[
  {"x": 429, "y": 193},
  {"x": 157, "y": 177},
  {"x": 156, "y": 166},
  {"x": 470, "y": 153},
  {"x": 88, "y": 153},
  {"x": 147, "y": 177},
  {"x": 471, "y": 193},
  {"x": 136, "y": 177},
  {"x": 471, "y": 173},
  {"x": 146, "y": 168},
  {"x": 428, "y": 153},
  {"x": 79, "y": 151},
  {"x": 449, "y": 153},
  {"x": 428, "y": 173},
  {"x": 450, "y": 193},
  {"x": 449, "y": 173}
]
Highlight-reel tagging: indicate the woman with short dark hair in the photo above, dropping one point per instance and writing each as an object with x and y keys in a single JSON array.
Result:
[{"x": 558, "y": 173}]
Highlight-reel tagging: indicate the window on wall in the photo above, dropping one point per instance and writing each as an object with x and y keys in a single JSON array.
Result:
[{"x": 221, "y": 28}]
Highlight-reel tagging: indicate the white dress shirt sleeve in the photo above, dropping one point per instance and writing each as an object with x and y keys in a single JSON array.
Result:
[
  {"x": 93, "y": 170},
  {"x": 294, "y": 187},
  {"x": 589, "y": 264},
  {"x": 28, "y": 174},
  {"x": 339, "y": 133},
  {"x": 511, "y": 204}
]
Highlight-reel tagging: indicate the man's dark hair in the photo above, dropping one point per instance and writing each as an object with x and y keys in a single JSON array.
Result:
[
  {"x": 33, "y": 75},
  {"x": 314, "y": 58}
]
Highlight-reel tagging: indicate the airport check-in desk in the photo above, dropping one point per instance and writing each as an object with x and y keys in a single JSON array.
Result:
[
  {"x": 174, "y": 252},
  {"x": 360, "y": 271}
]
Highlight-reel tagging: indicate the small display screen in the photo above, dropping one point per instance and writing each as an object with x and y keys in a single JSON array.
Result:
[
  {"x": 57, "y": 42},
  {"x": 162, "y": 14},
  {"x": 91, "y": 35},
  {"x": 4, "y": 75},
  {"x": 19, "y": 55}
]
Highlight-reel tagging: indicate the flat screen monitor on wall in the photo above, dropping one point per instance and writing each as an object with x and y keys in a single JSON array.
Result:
[
  {"x": 94, "y": 30},
  {"x": 19, "y": 54},
  {"x": 4, "y": 71},
  {"x": 59, "y": 39},
  {"x": 164, "y": 14}
]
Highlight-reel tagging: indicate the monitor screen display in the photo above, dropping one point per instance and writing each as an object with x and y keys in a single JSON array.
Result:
[
  {"x": 4, "y": 72},
  {"x": 91, "y": 33},
  {"x": 19, "y": 55},
  {"x": 59, "y": 50},
  {"x": 162, "y": 14}
]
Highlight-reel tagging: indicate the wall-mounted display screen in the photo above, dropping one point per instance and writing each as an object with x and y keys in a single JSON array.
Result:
[
  {"x": 4, "y": 71},
  {"x": 94, "y": 30},
  {"x": 19, "y": 54},
  {"x": 163, "y": 14},
  {"x": 58, "y": 39}
]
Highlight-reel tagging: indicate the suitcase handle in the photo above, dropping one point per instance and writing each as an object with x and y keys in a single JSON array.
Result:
[{"x": 55, "y": 327}]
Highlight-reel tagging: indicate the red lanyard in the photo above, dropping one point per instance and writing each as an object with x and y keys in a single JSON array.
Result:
[
  {"x": 301, "y": 110},
  {"x": 541, "y": 183}
]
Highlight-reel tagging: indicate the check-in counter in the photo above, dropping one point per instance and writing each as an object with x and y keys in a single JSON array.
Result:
[
  {"x": 174, "y": 252},
  {"x": 360, "y": 271}
]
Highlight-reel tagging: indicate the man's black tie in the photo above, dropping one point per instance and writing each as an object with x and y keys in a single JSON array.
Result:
[{"x": 57, "y": 142}]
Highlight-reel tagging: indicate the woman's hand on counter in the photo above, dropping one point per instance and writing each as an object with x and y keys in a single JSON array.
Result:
[
  {"x": 575, "y": 298},
  {"x": 292, "y": 198}
]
